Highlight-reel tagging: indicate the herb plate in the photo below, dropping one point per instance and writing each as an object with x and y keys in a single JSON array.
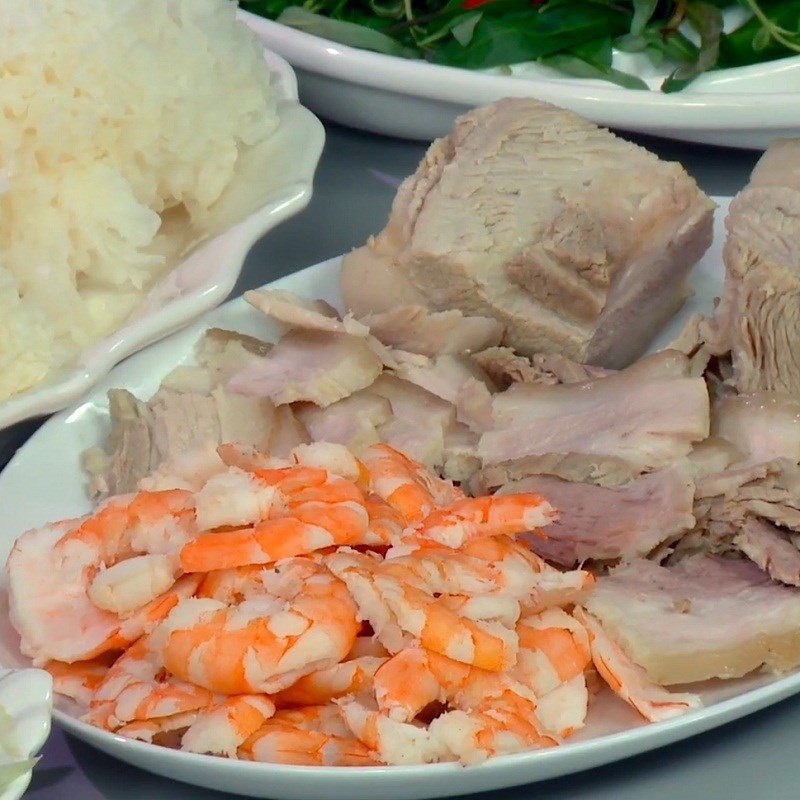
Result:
[{"x": 739, "y": 107}]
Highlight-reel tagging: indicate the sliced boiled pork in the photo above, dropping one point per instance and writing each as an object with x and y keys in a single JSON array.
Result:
[
  {"x": 705, "y": 617},
  {"x": 191, "y": 412},
  {"x": 602, "y": 523},
  {"x": 647, "y": 416},
  {"x": 576, "y": 241},
  {"x": 310, "y": 365}
]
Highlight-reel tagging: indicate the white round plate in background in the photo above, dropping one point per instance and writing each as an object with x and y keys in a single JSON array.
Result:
[{"x": 740, "y": 107}]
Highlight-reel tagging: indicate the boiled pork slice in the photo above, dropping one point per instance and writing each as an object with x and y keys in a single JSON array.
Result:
[
  {"x": 611, "y": 523},
  {"x": 646, "y": 416},
  {"x": 771, "y": 491},
  {"x": 576, "y": 241},
  {"x": 353, "y": 421},
  {"x": 418, "y": 422},
  {"x": 311, "y": 366},
  {"x": 753, "y": 509},
  {"x": 763, "y": 426},
  {"x": 505, "y": 367},
  {"x": 292, "y": 311},
  {"x": 444, "y": 376},
  {"x": 771, "y": 548},
  {"x": 191, "y": 411},
  {"x": 599, "y": 470},
  {"x": 758, "y": 318},
  {"x": 418, "y": 330},
  {"x": 706, "y": 617}
]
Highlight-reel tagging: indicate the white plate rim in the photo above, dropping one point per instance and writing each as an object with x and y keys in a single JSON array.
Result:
[{"x": 98, "y": 359}]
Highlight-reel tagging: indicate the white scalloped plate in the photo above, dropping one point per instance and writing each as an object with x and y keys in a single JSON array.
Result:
[
  {"x": 741, "y": 107},
  {"x": 27, "y": 696},
  {"x": 208, "y": 274},
  {"x": 46, "y": 473}
]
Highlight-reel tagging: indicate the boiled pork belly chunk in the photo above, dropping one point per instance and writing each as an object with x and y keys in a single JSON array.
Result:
[
  {"x": 576, "y": 241},
  {"x": 758, "y": 319},
  {"x": 705, "y": 617}
]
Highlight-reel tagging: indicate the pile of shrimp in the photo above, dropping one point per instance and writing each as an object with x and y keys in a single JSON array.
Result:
[{"x": 325, "y": 610}]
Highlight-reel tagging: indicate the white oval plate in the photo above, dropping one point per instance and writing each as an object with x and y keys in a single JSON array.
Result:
[
  {"x": 46, "y": 473},
  {"x": 741, "y": 107},
  {"x": 208, "y": 274}
]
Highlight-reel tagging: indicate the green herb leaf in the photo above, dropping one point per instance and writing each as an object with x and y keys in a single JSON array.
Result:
[
  {"x": 752, "y": 43},
  {"x": 464, "y": 28},
  {"x": 527, "y": 35},
  {"x": 643, "y": 10},
  {"x": 706, "y": 19},
  {"x": 598, "y": 52},
  {"x": 348, "y": 33},
  {"x": 631, "y": 43},
  {"x": 578, "y": 68},
  {"x": 390, "y": 10}
]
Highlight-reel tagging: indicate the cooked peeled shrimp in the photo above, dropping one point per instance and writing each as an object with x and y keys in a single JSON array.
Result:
[
  {"x": 486, "y": 644},
  {"x": 221, "y": 729},
  {"x": 286, "y": 478},
  {"x": 475, "y": 517},
  {"x": 231, "y": 585},
  {"x": 396, "y": 479},
  {"x": 485, "y": 565},
  {"x": 74, "y": 555},
  {"x": 386, "y": 523},
  {"x": 528, "y": 576},
  {"x": 357, "y": 570},
  {"x": 131, "y": 689},
  {"x": 553, "y": 656},
  {"x": 304, "y": 620},
  {"x": 442, "y": 570},
  {"x": 389, "y": 740},
  {"x": 80, "y": 679},
  {"x": 493, "y": 607},
  {"x": 335, "y": 458},
  {"x": 415, "y": 677},
  {"x": 314, "y": 736},
  {"x": 504, "y": 724},
  {"x": 65, "y": 624},
  {"x": 483, "y": 704},
  {"x": 125, "y": 586},
  {"x": 305, "y": 531},
  {"x": 329, "y": 511},
  {"x": 318, "y": 688},
  {"x": 248, "y": 458},
  {"x": 397, "y": 611},
  {"x": 165, "y": 731},
  {"x": 234, "y": 498},
  {"x": 630, "y": 681}
]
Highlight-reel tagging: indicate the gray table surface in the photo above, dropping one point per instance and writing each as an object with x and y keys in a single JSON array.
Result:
[{"x": 753, "y": 759}]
